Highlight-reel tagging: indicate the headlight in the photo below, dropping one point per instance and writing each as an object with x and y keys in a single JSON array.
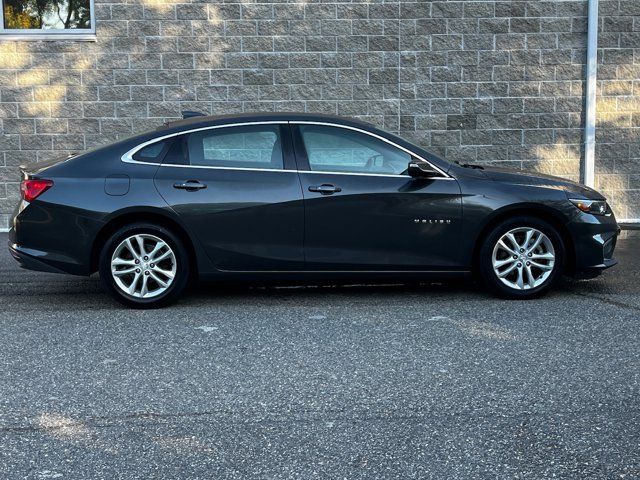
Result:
[{"x": 595, "y": 207}]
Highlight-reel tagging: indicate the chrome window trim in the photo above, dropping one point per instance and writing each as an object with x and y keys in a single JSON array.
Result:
[
  {"x": 249, "y": 169},
  {"x": 445, "y": 176},
  {"x": 50, "y": 34},
  {"x": 328, "y": 172},
  {"x": 128, "y": 156}
]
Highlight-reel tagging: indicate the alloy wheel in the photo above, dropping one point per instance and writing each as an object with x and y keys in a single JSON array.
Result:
[
  {"x": 523, "y": 258},
  {"x": 143, "y": 266}
]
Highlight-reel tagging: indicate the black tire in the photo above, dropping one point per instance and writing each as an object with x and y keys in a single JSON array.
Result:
[
  {"x": 176, "y": 287},
  {"x": 489, "y": 277}
]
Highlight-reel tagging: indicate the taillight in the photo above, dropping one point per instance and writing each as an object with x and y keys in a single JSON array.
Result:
[{"x": 32, "y": 189}]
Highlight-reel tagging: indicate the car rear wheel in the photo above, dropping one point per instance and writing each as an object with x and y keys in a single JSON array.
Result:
[
  {"x": 144, "y": 266},
  {"x": 521, "y": 258}
]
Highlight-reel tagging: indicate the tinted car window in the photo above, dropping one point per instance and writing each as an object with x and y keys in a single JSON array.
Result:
[
  {"x": 177, "y": 152},
  {"x": 341, "y": 150},
  {"x": 151, "y": 153},
  {"x": 256, "y": 146}
]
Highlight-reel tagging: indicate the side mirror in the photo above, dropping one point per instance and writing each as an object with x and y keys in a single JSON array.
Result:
[{"x": 421, "y": 170}]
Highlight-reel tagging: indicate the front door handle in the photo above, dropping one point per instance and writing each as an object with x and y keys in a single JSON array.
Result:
[
  {"x": 325, "y": 189},
  {"x": 189, "y": 185}
]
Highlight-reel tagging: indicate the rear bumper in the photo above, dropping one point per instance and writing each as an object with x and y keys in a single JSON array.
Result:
[
  {"x": 35, "y": 257},
  {"x": 30, "y": 261}
]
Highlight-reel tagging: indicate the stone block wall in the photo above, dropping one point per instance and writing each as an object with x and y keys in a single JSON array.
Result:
[
  {"x": 618, "y": 106},
  {"x": 476, "y": 81}
]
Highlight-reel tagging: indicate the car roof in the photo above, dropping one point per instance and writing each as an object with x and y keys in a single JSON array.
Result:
[
  {"x": 201, "y": 121},
  {"x": 205, "y": 120}
]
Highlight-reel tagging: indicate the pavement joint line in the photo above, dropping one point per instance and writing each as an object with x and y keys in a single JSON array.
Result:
[
  {"x": 606, "y": 300},
  {"x": 350, "y": 414}
]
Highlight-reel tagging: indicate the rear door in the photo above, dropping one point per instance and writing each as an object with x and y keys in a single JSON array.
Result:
[
  {"x": 363, "y": 212},
  {"x": 237, "y": 190}
]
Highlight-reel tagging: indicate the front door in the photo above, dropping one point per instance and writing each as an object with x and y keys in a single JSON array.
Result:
[
  {"x": 237, "y": 191},
  {"x": 363, "y": 212}
]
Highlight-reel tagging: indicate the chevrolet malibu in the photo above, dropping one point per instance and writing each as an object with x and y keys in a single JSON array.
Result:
[{"x": 299, "y": 198}]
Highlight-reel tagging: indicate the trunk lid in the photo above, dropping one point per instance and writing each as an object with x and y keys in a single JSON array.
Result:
[{"x": 34, "y": 169}]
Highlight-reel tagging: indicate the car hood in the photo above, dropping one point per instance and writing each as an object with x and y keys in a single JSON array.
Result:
[{"x": 518, "y": 177}]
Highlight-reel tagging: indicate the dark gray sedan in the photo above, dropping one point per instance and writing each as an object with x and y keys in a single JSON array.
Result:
[{"x": 299, "y": 198}]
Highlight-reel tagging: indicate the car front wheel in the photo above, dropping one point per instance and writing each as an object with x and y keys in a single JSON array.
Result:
[
  {"x": 521, "y": 258},
  {"x": 144, "y": 266}
]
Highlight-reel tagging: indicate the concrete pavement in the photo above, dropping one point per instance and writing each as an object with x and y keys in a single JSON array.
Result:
[{"x": 436, "y": 381}]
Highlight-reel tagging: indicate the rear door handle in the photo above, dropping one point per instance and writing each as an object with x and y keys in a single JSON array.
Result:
[
  {"x": 325, "y": 189},
  {"x": 189, "y": 185}
]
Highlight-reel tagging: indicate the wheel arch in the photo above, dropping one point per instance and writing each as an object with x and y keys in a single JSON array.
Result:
[
  {"x": 153, "y": 216},
  {"x": 548, "y": 214}
]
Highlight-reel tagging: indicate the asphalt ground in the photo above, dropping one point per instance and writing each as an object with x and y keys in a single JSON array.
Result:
[{"x": 435, "y": 381}]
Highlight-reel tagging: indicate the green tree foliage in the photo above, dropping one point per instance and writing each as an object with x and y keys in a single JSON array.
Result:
[{"x": 47, "y": 14}]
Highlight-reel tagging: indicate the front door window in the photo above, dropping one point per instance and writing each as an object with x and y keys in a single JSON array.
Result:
[{"x": 333, "y": 149}]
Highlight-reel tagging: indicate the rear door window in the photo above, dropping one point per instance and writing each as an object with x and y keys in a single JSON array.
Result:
[
  {"x": 252, "y": 146},
  {"x": 177, "y": 152}
]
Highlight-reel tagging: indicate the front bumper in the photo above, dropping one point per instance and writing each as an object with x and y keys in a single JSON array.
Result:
[
  {"x": 595, "y": 270},
  {"x": 594, "y": 241}
]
